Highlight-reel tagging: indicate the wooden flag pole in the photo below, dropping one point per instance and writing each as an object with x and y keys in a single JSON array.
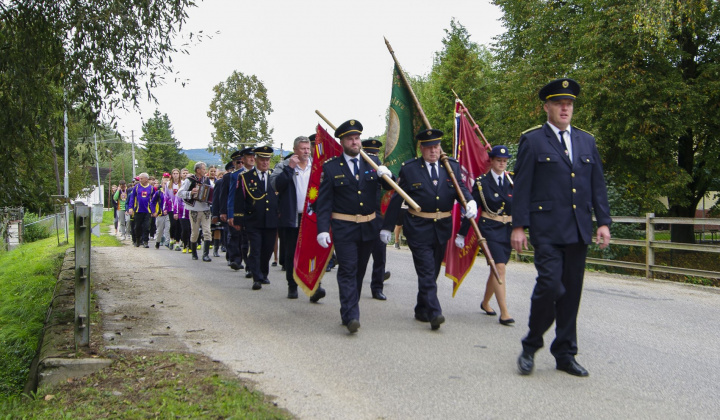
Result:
[
  {"x": 410, "y": 202},
  {"x": 472, "y": 120},
  {"x": 446, "y": 163}
]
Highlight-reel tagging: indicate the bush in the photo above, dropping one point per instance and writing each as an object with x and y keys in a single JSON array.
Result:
[{"x": 36, "y": 231}]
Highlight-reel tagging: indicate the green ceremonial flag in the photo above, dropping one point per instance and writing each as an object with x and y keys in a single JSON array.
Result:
[{"x": 404, "y": 122}]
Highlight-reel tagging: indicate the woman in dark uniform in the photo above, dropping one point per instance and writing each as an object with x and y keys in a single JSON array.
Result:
[{"x": 493, "y": 192}]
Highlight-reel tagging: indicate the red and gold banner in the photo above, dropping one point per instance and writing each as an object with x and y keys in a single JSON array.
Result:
[
  {"x": 474, "y": 161},
  {"x": 310, "y": 258}
]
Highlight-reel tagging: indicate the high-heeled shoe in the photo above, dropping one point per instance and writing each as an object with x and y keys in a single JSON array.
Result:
[
  {"x": 506, "y": 322},
  {"x": 490, "y": 312}
]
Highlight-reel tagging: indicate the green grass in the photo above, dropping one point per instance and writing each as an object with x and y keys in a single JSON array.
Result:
[
  {"x": 148, "y": 385},
  {"x": 27, "y": 278}
]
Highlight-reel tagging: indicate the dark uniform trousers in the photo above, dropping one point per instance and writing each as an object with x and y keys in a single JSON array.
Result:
[
  {"x": 341, "y": 192},
  {"x": 260, "y": 220},
  {"x": 555, "y": 198},
  {"x": 426, "y": 237},
  {"x": 288, "y": 239},
  {"x": 379, "y": 255}
]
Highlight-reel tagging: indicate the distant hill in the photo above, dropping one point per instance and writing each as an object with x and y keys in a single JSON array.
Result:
[
  {"x": 210, "y": 158},
  {"x": 203, "y": 155}
]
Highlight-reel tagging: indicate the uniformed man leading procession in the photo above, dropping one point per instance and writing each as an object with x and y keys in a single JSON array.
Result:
[
  {"x": 347, "y": 200},
  {"x": 558, "y": 184},
  {"x": 427, "y": 182}
]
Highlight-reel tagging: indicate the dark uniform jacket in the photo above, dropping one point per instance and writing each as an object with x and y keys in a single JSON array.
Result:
[
  {"x": 284, "y": 183},
  {"x": 498, "y": 200},
  {"x": 340, "y": 192},
  {"x": 554, "y": 197},
  {"x": 415, "y": 180},
  {"x": 217, "y": 197},
  {"x": 256, "y": 207}
]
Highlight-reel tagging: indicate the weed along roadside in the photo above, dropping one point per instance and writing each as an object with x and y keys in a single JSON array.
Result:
[{"x": 97, "y": 380}]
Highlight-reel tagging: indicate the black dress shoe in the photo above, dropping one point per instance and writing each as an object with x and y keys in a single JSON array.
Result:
[
  {"x": 319, "y": 294},
  {"x": 525, "y": 363},
  {"x": 490, "y": 312},
  {"x": 157, "y": 245},
  {"x": 507, "y": 322},
  {"x": 353, "y": 325},
  {"x": 248, "y": 275},
  {"x": 379, "y": 296},
  {"x": 436, "y": 321},
  {"x": 145, "y": 245},
  {"x": 265, "y": 281},
  {"x": 572, "y": 367},
  {"x": 292, "y": 294},
  {"x": 386, "y": 276},
  {"x": 274, "y": 264},
  {"x": 235, "y": 265},
  {"x": 257, "y": 285}
]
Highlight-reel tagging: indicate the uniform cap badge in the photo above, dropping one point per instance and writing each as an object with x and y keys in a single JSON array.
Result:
[
  {"x": 565, "y": 83},
  {"x": 352, "y": 122}
]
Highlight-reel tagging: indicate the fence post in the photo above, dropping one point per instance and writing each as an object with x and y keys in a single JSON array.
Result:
[
  {"x": 83, "y": 227},
  {"x": 649, "y": 251}
]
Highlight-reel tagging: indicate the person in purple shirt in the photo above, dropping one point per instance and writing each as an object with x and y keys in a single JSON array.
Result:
[{"x": 139, "y": 207}]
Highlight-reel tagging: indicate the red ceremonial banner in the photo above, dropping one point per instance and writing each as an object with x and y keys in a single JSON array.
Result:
[
  {"x": 310, "y": 258},
  {"x": 474, "y": 161}
]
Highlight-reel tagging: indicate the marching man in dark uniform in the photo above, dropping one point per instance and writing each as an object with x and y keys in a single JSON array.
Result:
[
  {"x": 238, "y": 234},
  {"x": 427, "y": 182},
  {"x": 493, "y": 191},
  {"x": 558, "y": 185},
  {"x": 257, "y": 207},
  {"x": 379, "y": 252},
  {"x": 347, "y": 200},
  {"x": 232, "y": 236}
]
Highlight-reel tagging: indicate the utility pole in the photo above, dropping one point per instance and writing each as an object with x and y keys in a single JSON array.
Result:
[
  {"x": 132, "y": 137},
  {"x": 67, "y": 181},
  {"x": 97, "y": 166}
]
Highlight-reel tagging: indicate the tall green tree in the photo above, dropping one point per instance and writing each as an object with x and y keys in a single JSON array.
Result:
[
  {"x": 462, "y": 66},
  {"x": 650, "y": 88},
  {"x": 56, "y": 54},
  {"x": 239, "y": 113},
  {"x": 162, "y": 149}
]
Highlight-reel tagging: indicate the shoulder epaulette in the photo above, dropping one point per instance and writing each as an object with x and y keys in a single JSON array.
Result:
[
  {"x": 583, "y": 130},
  {"x": 532, "y": 129}
]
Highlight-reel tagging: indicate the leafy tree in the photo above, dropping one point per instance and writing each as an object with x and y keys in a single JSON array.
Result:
[
  {"x": 100, "y": 54},
  {"x": 651, "y": 92},
  {"x": 162, "y": 149},
  {"x": 464, "y": 67},
  {"x": 239, "y": 113}
]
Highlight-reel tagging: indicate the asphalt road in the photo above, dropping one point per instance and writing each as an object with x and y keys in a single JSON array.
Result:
[{"x": 652, "y": 348}]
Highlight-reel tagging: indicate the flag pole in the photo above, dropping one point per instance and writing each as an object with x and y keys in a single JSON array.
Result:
[
  {"x": 476, "y": 127},
  {"x": 446, "y": 164},
  {"x": 410, "y": 202},
  {"x": 472, "y": 120}
]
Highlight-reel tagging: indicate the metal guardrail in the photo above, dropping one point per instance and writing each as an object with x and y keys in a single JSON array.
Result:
[{"x": 651, "y": 244}]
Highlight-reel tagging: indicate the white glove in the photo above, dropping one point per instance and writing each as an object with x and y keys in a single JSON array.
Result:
[
  {"x": 385, "y": 236},
  {"x": 323, "y": 239},
  {"x": 460, "y": 241},
  {"x": 383, "y": 170},
  {"x": 471, "y": 209}
]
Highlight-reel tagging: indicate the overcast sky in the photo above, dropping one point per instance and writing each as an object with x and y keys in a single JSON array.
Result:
[{"x": 314, "y": 54}]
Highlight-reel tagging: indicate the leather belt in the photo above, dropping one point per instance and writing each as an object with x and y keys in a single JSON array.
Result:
[
  {"x": 426, "y": 215},
  {"x": 355, "y": 218},
  {"x": 498, "y": 218}
]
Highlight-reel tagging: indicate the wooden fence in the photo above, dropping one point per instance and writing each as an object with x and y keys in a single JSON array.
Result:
[{"x": 650, "y": 243}]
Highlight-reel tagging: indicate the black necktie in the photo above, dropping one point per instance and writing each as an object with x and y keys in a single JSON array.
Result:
[
  {"x": 356, "y": 168},
  {"x": 433, "y": 174},
  {"x": 262, "y": 178},
  {"x": 500, "y": 183}
]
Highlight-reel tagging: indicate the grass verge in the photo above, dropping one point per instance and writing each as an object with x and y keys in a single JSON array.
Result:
[{"x": 149, "y": 385}]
